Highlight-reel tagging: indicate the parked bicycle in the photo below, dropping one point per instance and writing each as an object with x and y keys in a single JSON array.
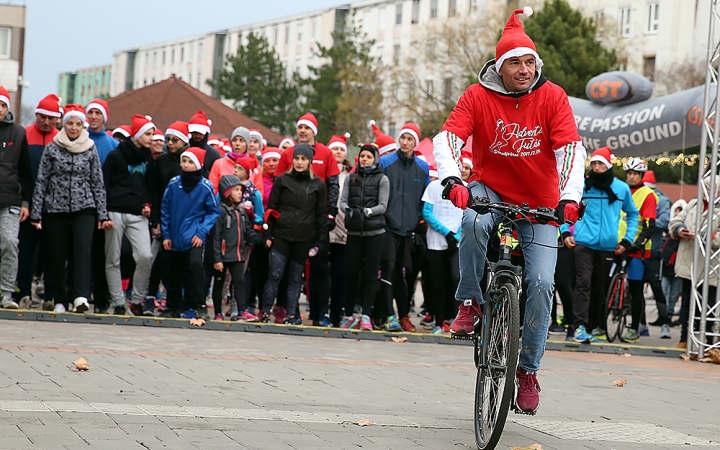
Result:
[{"x": 616, "y": 306}]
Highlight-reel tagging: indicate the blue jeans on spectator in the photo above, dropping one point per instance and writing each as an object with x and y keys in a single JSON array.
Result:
[
  {"x": 672, "y": 288},
  {"x": 539, "y": 272}
]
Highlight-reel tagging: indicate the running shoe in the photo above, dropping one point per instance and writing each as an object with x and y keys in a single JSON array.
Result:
[
  {"x": 438, "y": 330},
  {"x": 59, "y": 308},
  {"x": 407, "y": 324},
  {"x": 392, "y": 324},
  {"x": 202, "y": 313},
  {"x": 464, "y": 323},
  {"x": 293, "y": 320},
  {"x": 582, "y": 336},
  {"x": 247, "y": 316},
  {"x": 644, "y": 330},
  {"x": 149, "y": 307},
  {"x": 428, "y": 321},
  {"x": 665, "y": 331},
  {"x": 348, "y": 322},
  {"x": 81, "y": 305},
  {"x": 556, "y": 328},
  {"x": 528, "y": 392},
  {"x": 9, "y": 303},
  {"x": 265, "y": 318},
  {"x": 599, "y": 334},
  {"x": 189, "y": 314},
  {"x": 365, "y": 323},
  {"x": 325, "y": 322},
  {"x": 630, "y": 335},
  {"x": 280, "y": 314},
  {"x": 219, "y": 317},
  {"x": 120, "y": 310},
  {"x": 136, "y": 309}
]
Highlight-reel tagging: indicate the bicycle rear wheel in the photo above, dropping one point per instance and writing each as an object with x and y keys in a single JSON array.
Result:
[
  {"x": 612, "y": 303},
  {"x": 495, "y": 383}
]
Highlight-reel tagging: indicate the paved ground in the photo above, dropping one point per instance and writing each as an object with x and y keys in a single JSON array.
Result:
[{"x": 150, "y": 388}]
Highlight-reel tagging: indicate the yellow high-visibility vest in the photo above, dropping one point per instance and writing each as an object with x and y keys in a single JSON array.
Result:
[{"x": 639, "y": 197}]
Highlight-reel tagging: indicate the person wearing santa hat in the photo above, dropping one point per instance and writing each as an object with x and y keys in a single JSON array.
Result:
[
  {"x": 286, "y": 143},
  {"x": 527, "y": 134},
  {"x": 409, "y": 176},
  {"x": 240, "y": 146},
  {"x": 129, "y": 202},
  {"x": 98, "y": 113},
  {"x": 121, "y": 133},
  {"x": 324, "y": 167},
  {"x": 594, "y": 243},
  {"x": 38, "y": 135},
  {"x": 467, "y": 165},
  {"x": 252, "y": 198},
  {"x": 256, "y": 142},
  {"x": 15, "y": 196},
  {"x": 68, "y": 203},
  {"x": 386, "y": 144},
  {"x": 158, "y": 144},
  {"x": 199, "y": 128},
  {"x": 189, "y": 211}
]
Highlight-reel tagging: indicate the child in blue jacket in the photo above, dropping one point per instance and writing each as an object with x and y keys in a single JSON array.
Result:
[{"x": 188, "y": 213}]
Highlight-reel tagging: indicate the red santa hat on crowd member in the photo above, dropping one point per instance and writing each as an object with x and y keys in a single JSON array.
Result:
[
  {"x": 286, "y": 140},
  {"x": 309, "y": 119},
  {"x": 466, "y": 158},
  {"x": 603, "y": 155},
  {"x": 247, "y": 163},
  {"x": 433, "y": 172},
  {"x": 73, "y": 110},
  {"x": 225, "y": 145},
  {"x": 179, "y": 129},
  {"x": 514, "y": 42},
  {"x": 257, "y": 135},
  {"x": 199, "y": 123},
  {"x": 339, "y": 141},
  {"x": 100, "y": 105},
  {"x": 384, "y": 142},
  {"x": 411, "y": 129},
  {"x": 196, "y": 154},
  {"x": 158, "y": 136},
  {"x": 50, "y": 106},
  {"x": 140, "y": 124},
  {"x": 214, "y": 141},
  {"x": 123, "y": 130},
  {"x": 270, "y": 152},
  {"x": 649, "y": 179},
  {"x": 5, "y": 96}
]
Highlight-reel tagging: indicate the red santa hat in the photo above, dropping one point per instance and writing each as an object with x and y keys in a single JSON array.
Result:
[
  {"x": 100, "y": 105},
  {"x": 247, "y": 163},
  {"x": 309, "y": 119},
  {"x": 214, "y": 141},
  {"x": 339, "y": 141},
  {"x": 384, "y": 142},
  {"x": 73, "y": 110},
  {"x": 433, "y": 172},
  {"x": 199, "y": 123},
  {"x": 5, "y": 96},
  {"x": 649, "y": 179},
  {"x": 225, "y": 145},
  {"x": 196, "y": 154},
  {"x": 411, "y": 129},
  {"x": 466, "y": 158},
  {"x": 140, "y": 124},
  {"x": 178, "y": 129},
  {"x": 603, "y": 155},
  {"x": 287, "y": 140},
  {"x": 50, "y": 106},
  {"x": 123, "y": 130},
  {"x": 270, "y": 152},
  {"x": 514, "y": 42},
  {"x": 257, "y": 135},
  {"x": 158, "y": 136}
]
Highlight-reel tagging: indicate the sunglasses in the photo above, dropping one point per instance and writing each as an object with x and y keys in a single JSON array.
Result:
[{"x": 173, "y": 139}]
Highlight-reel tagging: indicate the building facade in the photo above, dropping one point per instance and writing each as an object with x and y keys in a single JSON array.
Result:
[
  {"x": 85, "y": 85},
  {"x": 12, "y": 49}
]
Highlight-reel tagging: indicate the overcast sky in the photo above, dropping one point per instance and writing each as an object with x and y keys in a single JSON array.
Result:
[{"x": 63, "y": 36}]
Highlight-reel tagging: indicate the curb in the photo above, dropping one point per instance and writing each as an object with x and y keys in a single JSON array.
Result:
[{"x": 302, "y": 330}]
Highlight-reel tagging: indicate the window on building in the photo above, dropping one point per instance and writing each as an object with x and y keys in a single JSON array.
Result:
[
  {"x": 452, "y": 8},
  {"x": 190, "y": 79},
  {"x": 472, "y": 5},
  {"x": 625, "y": 22},
  {"x": 287, "y": 34},
  {"x": 381, "y": 11},
  {"x": 313, "y": 29},
  {"x": 172, "y": 56},
  {"x": 429, "y": 88},
  {"x": 447, "y": 89},
  {"x": 154, "y": 60},
  {"x": 163, "y": 58},
  {"x": 200, "y": 51},
  {"x": 147, "y": 60},
  {"x": 415, "y": 11},
  {"x": 398, "y": 14},
  {"x": 276, "y": 31},
  {"x": 182, "y": 54},
  {"x": 380, "y": 51},
  {"x": 396, "y": 54},
  {"x": 649, "y": 67},
  {"x": 5, "y": 41},
  {"x": 192, "y": 50},
  {"x": 392, "y": 129},
  {"x": 298, "y": 64},
  {"x": 652, "y": 23},
  {"x": 300, "y": 32},
  {"x": 199, "y": 80},
  {"x": 622, "y": 64},
  {"x": 433, "y": 8}
]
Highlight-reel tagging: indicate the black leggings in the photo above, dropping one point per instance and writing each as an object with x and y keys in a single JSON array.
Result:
[
  {"x": 637, "y": 301},
  {"x": 68, "y": 242},
  {"x": 363, "y": 254},
  {"x": 284, "y": 256},
  {"x": 237, "y": 272},
  {"x": 442, "y": 278}
]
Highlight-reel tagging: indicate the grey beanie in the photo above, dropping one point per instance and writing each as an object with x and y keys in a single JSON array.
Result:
[
  {"x": 242, "y": 132},
  {"x": 228, "y": 182},
  {"x": 304, "y": 149}
]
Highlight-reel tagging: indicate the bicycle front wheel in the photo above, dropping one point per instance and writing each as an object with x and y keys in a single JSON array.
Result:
[
  {"x": 495, "y": 383},
  {"x": 612, "y": 307}
]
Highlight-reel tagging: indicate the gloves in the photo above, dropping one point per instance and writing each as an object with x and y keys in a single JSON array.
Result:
[
  {"x": 331, "y": 222},
  {"x": 568, "y": 211},
  {"x": 625, "y": 243},
  {"x": 456, "y": 192},
  {"x": 635, "y": 248},
  {"x": 451, "y": 241}
]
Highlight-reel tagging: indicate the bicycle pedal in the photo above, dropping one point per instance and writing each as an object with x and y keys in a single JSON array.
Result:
[
  {"x": 526, "y": 412},
  {"x": 462, "y": 337}
]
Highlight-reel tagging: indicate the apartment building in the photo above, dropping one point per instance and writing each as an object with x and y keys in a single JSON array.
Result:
[
  {"x": 85, "y": 85},
  {"x": 12, "y": 49}
]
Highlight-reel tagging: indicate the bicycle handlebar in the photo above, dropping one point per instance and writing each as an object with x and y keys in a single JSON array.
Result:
[{"x": 483, "y": 206}]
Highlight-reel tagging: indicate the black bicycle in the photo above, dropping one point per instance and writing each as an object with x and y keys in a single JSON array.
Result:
[
  {"x": 617, "y": 306},
  {"x": 497, "y": 333}
]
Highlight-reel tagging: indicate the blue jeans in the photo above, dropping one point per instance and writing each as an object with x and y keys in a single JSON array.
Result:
[
  {"x": 539, "y": 272},
  {"x": 672, "y": 288}
]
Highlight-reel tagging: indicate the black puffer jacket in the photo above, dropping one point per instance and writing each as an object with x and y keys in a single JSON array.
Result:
[
  {"x": 232, "y": 234},
  {"x": 302, "y": 204},
  {"x": 125, "y": 173},
  {"x": 15, "y": 174},
  {"x": 211, "y": 154},
  {"x": 367, "y": 190}
]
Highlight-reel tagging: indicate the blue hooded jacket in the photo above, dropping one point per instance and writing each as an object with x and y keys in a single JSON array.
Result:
[
  {"x": 598, "y": 229},
  {"x": 184, "y": 215},
  {"x": 103, "y": 143}
]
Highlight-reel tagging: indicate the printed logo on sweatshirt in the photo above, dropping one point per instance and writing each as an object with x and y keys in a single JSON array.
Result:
[
  {"x": 318, "y": 161},
  {"x": 513, "y": 140},
  {"x": 140, "y": 168}
]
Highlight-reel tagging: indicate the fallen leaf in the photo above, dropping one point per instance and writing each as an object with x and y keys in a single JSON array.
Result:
[
  {"x": 706, "y": 359},
  {"x": 625, "y": 355},
  {"x": 82, "y": 364},
  {"x": 529, "y": 447},
  {"x": 684, "y": 357},
  {"x": 714, "y": 353},
  {"x": 399, "y": 339},
  {"x": 620, "y": 383},
  {"x": 365, "y": 423},
  {"x": 197, "y": 322}
]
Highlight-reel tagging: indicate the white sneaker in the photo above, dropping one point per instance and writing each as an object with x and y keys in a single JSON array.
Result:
[
  {"x": 665, "y": 332},
  {"x": 81, "y": 305},
  {"x": 8, "y": 303},
  {"x": 59, "y": 308}
]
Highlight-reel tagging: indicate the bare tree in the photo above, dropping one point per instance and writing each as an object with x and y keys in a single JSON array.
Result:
[
  {"x": 27, "y": 115},
  {"x": 679, "y": 76}
]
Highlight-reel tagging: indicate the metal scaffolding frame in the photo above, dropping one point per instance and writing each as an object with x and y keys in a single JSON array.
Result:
[{"x": 703, "y": 334}]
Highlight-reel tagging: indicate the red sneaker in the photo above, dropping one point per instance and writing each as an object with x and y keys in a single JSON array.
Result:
[
  {"x": 406, "y": 324},
  {"x": 528, "y": 395},
  {"x": 464, "y": 323}
]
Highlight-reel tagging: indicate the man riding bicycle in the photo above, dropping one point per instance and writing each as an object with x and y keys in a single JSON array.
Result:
[{"x": 526, "y": 149}]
